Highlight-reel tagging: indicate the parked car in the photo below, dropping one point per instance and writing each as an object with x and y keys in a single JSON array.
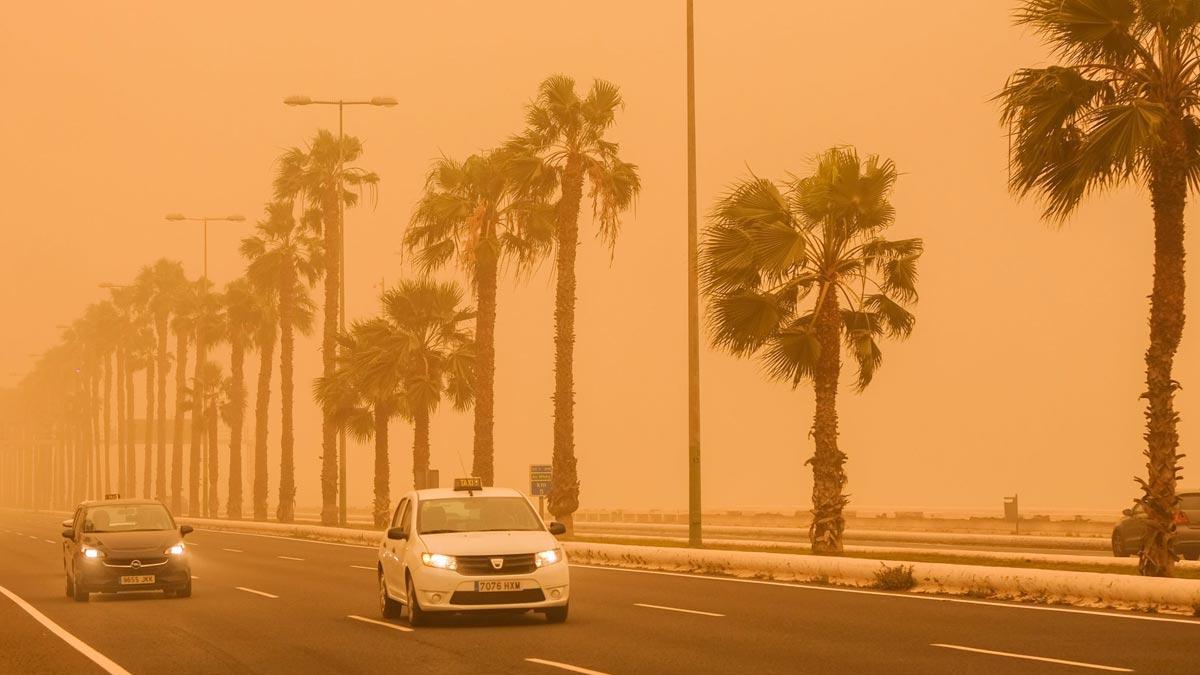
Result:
[{"x": 1129, "y": 533}]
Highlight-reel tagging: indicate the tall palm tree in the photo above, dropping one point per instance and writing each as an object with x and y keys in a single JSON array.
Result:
[
  {"x": 1120, "y": 108},
  {"x": 156, "y": 288},
  {"x": 319, "y": 178},
  {"x": 208, "y": 328},
  {"x": 420, "y": 347},
  {"x": 470, "y": 213},
  {"x": 364, "y": 407},
  {"x": 107, "y": 330},
  {"x": 779, "y": 261},
  {"x": 265, "y": 336},
  {"x": 244, "y": 310},
  {"x": 285, "y": 257},
  {"x": 565, "y": 135},
  {"x": 141, "y": 357},
  {"x": 182, "y": 313}
]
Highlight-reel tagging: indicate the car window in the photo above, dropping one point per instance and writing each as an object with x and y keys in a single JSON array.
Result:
[
  {"x": 1190, "y": 501},
  {"x": 476, "y": 514},
  {"x": 399, "y": 510},
  {"x": 127, "y": 518},
  {"x": 406, "y": 516}
]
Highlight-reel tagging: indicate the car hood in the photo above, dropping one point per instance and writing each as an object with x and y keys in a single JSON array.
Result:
[
  {"x": 489, "y": 543},
  {"x": 155, "y": 541}
]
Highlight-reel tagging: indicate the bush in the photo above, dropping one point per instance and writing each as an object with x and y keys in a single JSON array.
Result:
[{"x": 898, "y": 578}]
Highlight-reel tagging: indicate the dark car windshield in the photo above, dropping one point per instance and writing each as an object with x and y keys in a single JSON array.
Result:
[
  {"x": 127, "y": 518},
  {"x": 476, "y": 514}
]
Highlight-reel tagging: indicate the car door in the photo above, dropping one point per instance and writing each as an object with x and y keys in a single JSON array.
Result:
[
  {"x": 71, "y": 546},
  {"x": 1133, "y": 529},
  {"x": 393, "y": 550}
]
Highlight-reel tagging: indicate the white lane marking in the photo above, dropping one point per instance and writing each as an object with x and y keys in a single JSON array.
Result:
[
  {"x": 275, "y": 536},
  {"x": 903, "y": 596},
  {"x": 402, "y": 629},
  {"x": 566, "y": 666},
  {"x": 195, "y": 577},
  {"x": 363, "y": 567},
  {"x": 232, "y": 550},
  {"x": 251, "y": 590},
  {"x": 48, "y": 541},
  {"x": 677, "y": 609},
  {"x": 288, "y": 557},
  {"x": 80, "y": 646},
  {"x": 1080, "y": 664},
  {"x": 32, "y": 537}
]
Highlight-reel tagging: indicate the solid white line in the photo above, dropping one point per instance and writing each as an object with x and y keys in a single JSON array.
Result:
[
  {"x": 288, "y": 557},
  {"x": 232, "y": 550},
  {"x": 566, "y": 666},
  {"x": 677, "y": 609},
  {"x": 402, "y": 629},
  {"x": 363, "y": 567},
  {"x": 276, "y": 536},
  {"x": 251, "y": 590},
  {"x": 902, "y": 596},
  {"x": 99, "y": 659},
  {"x": 1027, "y": 657}
]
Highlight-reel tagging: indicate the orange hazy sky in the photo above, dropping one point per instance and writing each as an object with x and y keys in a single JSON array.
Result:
[{"x": 1023, "y": 374}]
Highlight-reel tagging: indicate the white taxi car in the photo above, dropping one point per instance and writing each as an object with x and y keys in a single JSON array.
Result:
[{"x": 471, "y": 548}]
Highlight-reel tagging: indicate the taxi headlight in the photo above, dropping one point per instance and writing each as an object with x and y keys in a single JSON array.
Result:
[
  {"x": 440, "y": 561},
  {"x": 177, "y": 549},
  {"x": 547, "y": 557},
  {"x": 89, "y": 552}
]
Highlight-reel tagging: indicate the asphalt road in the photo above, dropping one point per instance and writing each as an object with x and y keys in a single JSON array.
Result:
[{"x": 271, "y": 605}]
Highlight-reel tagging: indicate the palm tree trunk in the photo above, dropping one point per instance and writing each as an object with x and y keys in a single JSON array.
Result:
[
  {"x": 195, "y": 503},
  {"x": 94, "y": 458},
  {"x": 148, "y": 450},
  {"x": 181, "y": 351},
  {"x": 383, "y": 472},
  {"x": 564, "y": 486},
  {"x": 485, "y": 360},
  {"x": 420, "y": 448},
  {"x": 160, "y": 469},
  {"x": 262, "y": 405},
  {"x": 212, "y": 508},
  {"x": 123, "y": 486},
  {"x": 237, "y": 403},
  {"x": 333, "y": 276},
  {"x": 827, "y": 462},
  {"x": 1168, "y": 191},
  {"x": 108, "y": 389},
  {"x": 130, "y": 440},
  {"x": 286, "y": 512}
]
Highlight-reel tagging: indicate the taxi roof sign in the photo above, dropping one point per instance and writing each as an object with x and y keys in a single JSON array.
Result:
[{"x": 468, "y": 484}]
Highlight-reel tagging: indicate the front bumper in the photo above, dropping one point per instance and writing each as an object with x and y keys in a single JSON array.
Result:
[
  {"x": 448, "y": 591},
  {"x": 98, "y": 575}
]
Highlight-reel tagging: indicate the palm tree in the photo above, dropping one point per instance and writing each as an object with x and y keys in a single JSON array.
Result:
[
  {"x": 244, "y": 310},
  {"x": 319, "y": 178},
  {"x": 141, "y": 356},
  {"x": 470, "y": 212},
  {"x": 364, "y": 407},
  {"x": 288, "y": 259},
  {"x": 777, "y": 263},
  {"x": 420, "y": 348},
  {"x": 1121, "y": 108},
  {"x": 107, "y": 336},
  {"x": 565, "y": 136},
  {"x": 208, "y": 328},
  {"x": 156, "y": 289},
  {"x": 264, "y": 341},
  {"x": 182, "y": 313}
]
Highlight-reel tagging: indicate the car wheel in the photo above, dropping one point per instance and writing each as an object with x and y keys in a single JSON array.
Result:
[
  {"x": 1118, "y": 547},
  {"x": 557, "y": 614},
  {"x": 1192, "y": 556},
  {"x": 416, "y": 615},
  {"x": 184, "y": 591},
  {"x": 389, "y": 608},
  {"x": 70, "y": 586},
  {"x": 79, "y": 591}
]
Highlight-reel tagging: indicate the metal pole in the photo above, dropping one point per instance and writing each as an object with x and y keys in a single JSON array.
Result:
[
  {"x": 205, "y": 248},
  {"x": 341, "y": 316},
  {"x": 693, "y": 314}
]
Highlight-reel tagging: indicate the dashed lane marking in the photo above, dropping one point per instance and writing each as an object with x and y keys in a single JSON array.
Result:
[
  {"x": 402, "y": 629},
  {"x": 566, "y": 666},
  {"x": 262, "y": 593},
  {"x": 1027, "y": 657},
  {"x": 232, "y": 550},
  {"x": 288, "y": 557},
  {"x": 363, "y": 567},
  {"x": 677, "y": 609}
]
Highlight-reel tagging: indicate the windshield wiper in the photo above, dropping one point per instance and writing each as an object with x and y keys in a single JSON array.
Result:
[{"x": 440, "y": 531}]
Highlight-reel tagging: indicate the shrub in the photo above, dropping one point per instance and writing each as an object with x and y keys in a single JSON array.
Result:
[{"x": 898, "y": 578}]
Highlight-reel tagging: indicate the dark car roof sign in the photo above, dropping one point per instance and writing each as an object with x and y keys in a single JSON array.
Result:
[{"x": 470, "y": 484}]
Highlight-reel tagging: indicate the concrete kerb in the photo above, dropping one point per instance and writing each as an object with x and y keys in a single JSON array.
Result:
[{"x": 1091, "y": 589}]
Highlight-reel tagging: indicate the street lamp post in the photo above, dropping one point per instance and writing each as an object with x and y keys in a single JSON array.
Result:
[
  {"x": 379, "y": 101},
  {"x": 235, "y": 218}
]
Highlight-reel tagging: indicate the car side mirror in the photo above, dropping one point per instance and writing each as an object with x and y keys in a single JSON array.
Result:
[
  {"x": 1127, "y": 512},
  {"x": 68, "y": 533},
  {"x": 396, "y": 533},
  {"x": 186, "y": 530},
  {"x": 68, "y": 523},
  {"x": 557, "y": 528}
]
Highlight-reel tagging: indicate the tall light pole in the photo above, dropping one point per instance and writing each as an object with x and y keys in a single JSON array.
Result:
[
  {"x": 693, "y": 314},
  {"x": 236, "y": 218},
  {"x": 379, "y": 101}
]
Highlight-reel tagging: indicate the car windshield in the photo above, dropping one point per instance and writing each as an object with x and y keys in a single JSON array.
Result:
[
  {"x": 127, "y": 518},
  {"x": 476, "y": 514}
]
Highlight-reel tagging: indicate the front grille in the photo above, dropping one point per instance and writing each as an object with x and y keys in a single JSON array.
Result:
[
  {"x": 497, "y": 597},
  {"x": 127, "y": 562},
  {"x": 481, "y": 565}
]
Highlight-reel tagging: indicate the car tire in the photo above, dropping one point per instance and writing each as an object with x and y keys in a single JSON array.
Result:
[
  {"x": 416, "y": 615},
  {"x": 1118, "y": 547},
  {"x": 557, "y": 614},
  {"x": 79, "y": 591},
  {"x": 70, "y": 586},
  {"x": 184, "y": 591},
  {"x": 1192, "y": 556},
  {"x": 389, "y": 608}
]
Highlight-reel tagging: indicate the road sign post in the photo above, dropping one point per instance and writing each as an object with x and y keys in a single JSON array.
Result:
[{"x": 539, "y": 484}]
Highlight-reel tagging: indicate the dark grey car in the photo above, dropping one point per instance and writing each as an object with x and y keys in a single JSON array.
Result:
[{"x": 1129, "y": 532}]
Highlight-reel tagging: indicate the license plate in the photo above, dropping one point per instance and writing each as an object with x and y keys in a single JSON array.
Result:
[
  {"x": 497, "y": 586},
  {"x": 139, "y": 579}
]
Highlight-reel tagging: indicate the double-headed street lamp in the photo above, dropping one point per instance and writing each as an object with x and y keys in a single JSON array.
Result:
[
  {"x": 379, "y": 101},
  {"x": 235, "y": 218}
]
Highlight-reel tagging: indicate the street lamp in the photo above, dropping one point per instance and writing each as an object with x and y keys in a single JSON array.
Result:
[
  {"x": 378, "y": 101},
  {"x": 235, "y": 218}
]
